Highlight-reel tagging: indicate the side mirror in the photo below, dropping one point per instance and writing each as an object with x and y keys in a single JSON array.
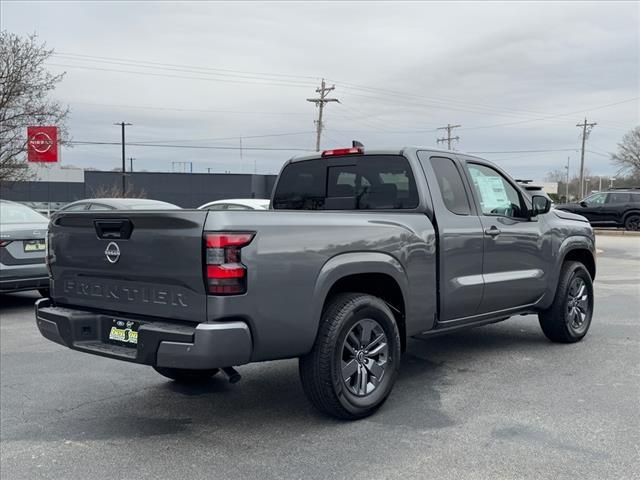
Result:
[
  {"x": 541, "y": 204},
  {"x": 583, "y": 204}
]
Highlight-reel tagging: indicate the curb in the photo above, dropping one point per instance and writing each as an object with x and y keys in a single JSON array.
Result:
[{"x": 615, "y": 232}]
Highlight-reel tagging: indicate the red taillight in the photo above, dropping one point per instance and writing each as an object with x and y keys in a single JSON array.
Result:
[
  {"x": 343, "y": 151},
  {"x": 225, "y": 271},
  {"x": 4, "y": 243},
  {"x": 222, "y": 240},
  {"x": 225, "y": 274}
]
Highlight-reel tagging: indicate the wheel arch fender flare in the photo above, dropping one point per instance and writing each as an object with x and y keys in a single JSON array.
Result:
[
  {"x": 569, "y": 244},
  {"x": 355, "y": 263}
]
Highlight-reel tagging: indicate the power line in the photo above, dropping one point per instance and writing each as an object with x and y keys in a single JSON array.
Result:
[
  {"x": 449, "y": 139},
  {"x": 291, "y": 77},
  {"x": 81, "y": 56},
  {"x": 180, "y": 76},
  {"x": 323, "y": 90},
  {"x": 178, "y": 109},
  {"x": 287, "y": 134},
  {"x": 197, "y": 71},
  {"x": 201, "y": 147},
  {"x": 528, "y": 151},
  {"x": 446, "y": 101}
]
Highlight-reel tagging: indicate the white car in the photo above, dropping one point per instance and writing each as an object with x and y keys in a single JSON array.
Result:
[{"x": 237, "y": 204}]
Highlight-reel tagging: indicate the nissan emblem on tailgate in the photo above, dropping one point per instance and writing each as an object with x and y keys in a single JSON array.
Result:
[{"x": 112, "y": 252}]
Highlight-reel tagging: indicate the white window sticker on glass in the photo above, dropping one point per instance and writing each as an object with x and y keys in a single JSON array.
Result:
[{"x": 493, "y": 194}]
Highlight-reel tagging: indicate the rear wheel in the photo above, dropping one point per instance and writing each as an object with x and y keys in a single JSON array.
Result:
[
  {"x": 567, "y": 320},
  {"x": 183, "y": 375},
  {"x": 354, "y": 362},
  {"x": 632, "y": 222}
]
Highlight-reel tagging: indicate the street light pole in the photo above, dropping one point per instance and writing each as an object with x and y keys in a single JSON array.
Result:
[
  {"x": 567, "y": 185},
  {"x": 124, "y": 186}
]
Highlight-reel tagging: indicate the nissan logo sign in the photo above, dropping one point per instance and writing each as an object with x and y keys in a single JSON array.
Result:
[{"x": 112, "y": 252}]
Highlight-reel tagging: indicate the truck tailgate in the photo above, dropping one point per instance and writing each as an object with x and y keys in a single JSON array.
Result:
[{"x": 146, "y": 262}]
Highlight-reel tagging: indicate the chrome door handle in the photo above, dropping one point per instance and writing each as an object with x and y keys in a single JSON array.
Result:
[{"x": 493, "y": 231}]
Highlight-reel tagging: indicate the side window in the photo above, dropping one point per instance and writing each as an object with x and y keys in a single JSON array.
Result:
[
  {"x": 76, "y": 208},
  {"x": 451, "y": 186},
  {"x": 496, "y": 195},
  {"x": 595, "y": 200},
  {"x": 97, "y": 206},
  {"x": 618, "y": 198},
  {"x": 386, "y": 182},
  {"x": 217, "y": 206}
]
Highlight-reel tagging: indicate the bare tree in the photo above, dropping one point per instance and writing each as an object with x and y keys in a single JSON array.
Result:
[
  {"x": 628, "y": 155},
  {"x": 557, "y": 175},
  {"x": 115, "y": 191},
  {"x": 25, "y": 86}
]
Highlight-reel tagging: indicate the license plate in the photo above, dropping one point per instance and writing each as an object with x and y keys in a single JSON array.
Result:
[
  {"x": 34, "y": 246},
  {"x": 124, "y": 332}
]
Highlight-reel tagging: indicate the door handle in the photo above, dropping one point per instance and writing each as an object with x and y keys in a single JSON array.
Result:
[{"x": 493, "y": 231}]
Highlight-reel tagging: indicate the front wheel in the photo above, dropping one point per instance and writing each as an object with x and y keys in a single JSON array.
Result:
[
  {"x": 183, "y": 375},
  {"x": 354, "y": 362},
  {"x": 568, "y": 318},
  {"x": 632, "y": 222}
]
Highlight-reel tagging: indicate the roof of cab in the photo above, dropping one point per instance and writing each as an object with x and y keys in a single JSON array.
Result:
[{"x": 382, "y": 151}]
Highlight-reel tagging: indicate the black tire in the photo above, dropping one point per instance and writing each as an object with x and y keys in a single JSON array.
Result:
[
  {"x": 632, "y": 222},
  {"x": 568, "y": 318},
  {"x": 376, "y": 366},
  {"x": 44, "y": 292},
  {"x": 183, "y": 375}
]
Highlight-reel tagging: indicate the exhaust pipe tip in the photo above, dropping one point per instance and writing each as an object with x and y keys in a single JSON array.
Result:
[{"x": 232, "y": 374}]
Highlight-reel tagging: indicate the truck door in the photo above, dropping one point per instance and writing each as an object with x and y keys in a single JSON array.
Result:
[
  {"x": 460, "y": 238},
  {"x": 515, "y": 257}
]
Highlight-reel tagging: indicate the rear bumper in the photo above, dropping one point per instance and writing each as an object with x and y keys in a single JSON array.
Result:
[
  {"x": 160, "y": 343},
  {"x": 18, "y": 284}
]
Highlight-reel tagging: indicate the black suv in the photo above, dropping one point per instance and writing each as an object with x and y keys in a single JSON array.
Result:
[{"x": 617, "y": 207}]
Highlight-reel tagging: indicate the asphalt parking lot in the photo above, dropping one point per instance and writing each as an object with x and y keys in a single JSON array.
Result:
[{"x": 494, "y": 402}]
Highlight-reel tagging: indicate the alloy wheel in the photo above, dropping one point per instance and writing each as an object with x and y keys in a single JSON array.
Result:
[
  {"x": 365, "y": 355},
  {"x": 577, "y": 303}
]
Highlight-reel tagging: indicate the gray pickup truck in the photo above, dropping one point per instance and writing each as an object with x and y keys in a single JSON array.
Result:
[{"x": 359, "y": 251}]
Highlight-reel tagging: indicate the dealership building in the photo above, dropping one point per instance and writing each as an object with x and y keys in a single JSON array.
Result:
[{"x": 53, "y": 186}]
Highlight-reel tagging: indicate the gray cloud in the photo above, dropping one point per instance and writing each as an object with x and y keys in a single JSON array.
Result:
[{"x": 477, "y": 64}]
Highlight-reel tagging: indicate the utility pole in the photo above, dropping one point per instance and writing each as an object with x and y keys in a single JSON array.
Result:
[
  {"x": 131, "y": 159},
  {"x": 320, "y": 101},
  {"x": 123, "y": 125},
  {"x": 449, "y": 139},
  {"x": 586, "y": 129},
  {"x": 567, "y": 185}
]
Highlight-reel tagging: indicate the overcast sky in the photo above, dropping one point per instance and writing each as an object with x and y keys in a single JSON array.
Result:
[{"x": 516, "y": 76}]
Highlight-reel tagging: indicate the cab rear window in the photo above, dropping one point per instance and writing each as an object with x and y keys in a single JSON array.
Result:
[{"x": 363, "y": 182}]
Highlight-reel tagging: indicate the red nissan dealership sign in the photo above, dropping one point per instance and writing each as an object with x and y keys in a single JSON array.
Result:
[{"x": 42, "y": 144}]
